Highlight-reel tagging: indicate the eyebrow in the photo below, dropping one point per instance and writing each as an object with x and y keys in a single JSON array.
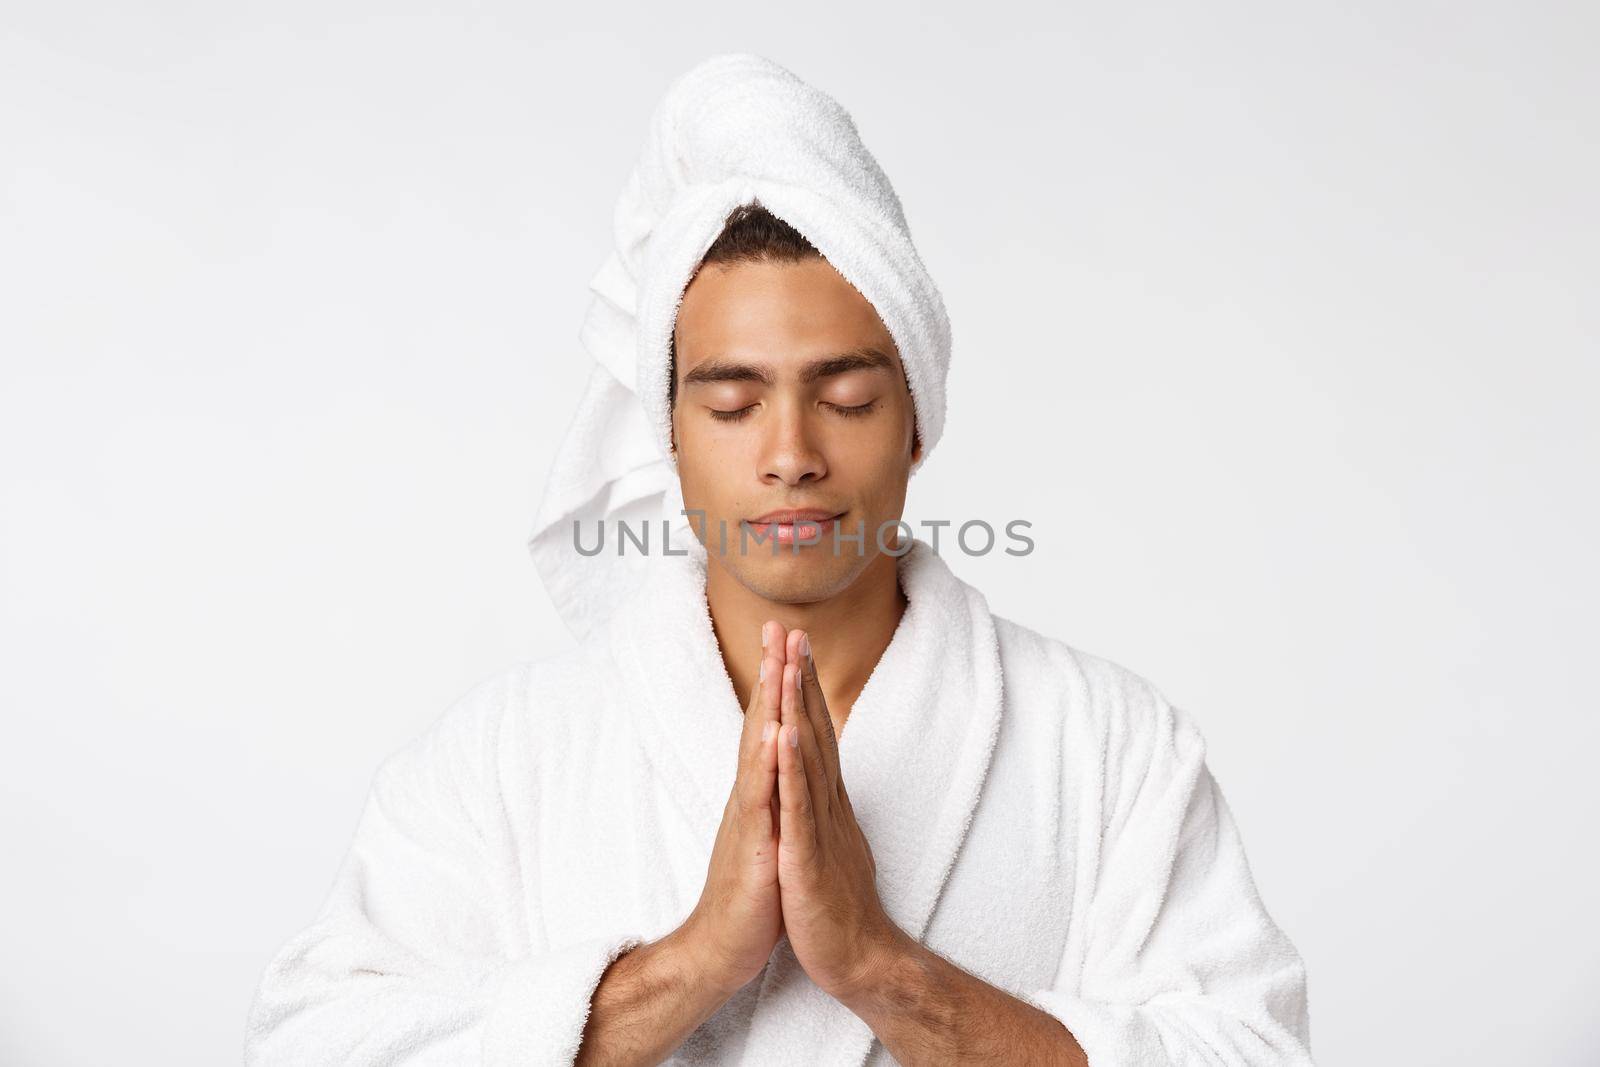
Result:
[{"x": 727, "y": 370}]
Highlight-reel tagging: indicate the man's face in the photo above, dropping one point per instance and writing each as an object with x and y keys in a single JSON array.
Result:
[{"x": 790, "y": 394}]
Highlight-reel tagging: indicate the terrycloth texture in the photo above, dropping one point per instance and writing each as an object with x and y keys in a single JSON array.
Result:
[
  {"x": 1040, "y": 816},
  {"x": 736, "y": 128}
]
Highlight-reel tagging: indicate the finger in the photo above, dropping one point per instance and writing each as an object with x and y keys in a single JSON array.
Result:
[
  {"x": 767, "y": 815},
  {"x": 814, "y": 707},
  {"x": 809, "y": 752},
  {"x": 798, "y": 827},
  {"x": 777, "y": 639},
  {"x": 770, "y": 757},
  {"x": 757, "y": 775},
  {"x": 750, "y": 733},
  {"x": 773, "y": 639}
]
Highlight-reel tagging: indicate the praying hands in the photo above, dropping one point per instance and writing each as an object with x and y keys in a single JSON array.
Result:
[
  {"x": 924, "y": 1008},
  {"x": 791, "y": 860},
  {"x": 827, "y": 877}
]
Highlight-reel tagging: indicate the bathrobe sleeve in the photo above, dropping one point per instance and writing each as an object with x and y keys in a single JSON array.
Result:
[
  {"x": 417, "y": 957},
  {"x": 1174, "y": 959}
]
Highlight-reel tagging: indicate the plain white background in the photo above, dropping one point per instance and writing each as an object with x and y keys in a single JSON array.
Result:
[{"x": 1278, "y": 322}]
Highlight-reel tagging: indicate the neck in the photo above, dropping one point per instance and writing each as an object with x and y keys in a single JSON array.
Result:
[{"x": 849, "y": 631}]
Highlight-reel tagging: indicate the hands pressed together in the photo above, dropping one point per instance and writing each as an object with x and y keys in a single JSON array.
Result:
[{"x": 789, "y": 857}]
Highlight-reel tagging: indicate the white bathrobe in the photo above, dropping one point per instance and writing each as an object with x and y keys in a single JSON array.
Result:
[{"x": 1041, "y": 817}]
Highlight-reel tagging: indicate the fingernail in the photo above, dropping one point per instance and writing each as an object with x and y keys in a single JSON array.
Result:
[
  {"x": 763, "y": 635},
  {"x": 763, "y": 669},
  {"x": 805, "y": 645},
  {"x": 768, "y": 730},
  {"x": 794, "y": 737}
]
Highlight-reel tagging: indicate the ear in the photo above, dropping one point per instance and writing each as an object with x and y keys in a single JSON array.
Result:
[
  {"x": 916, "y": 442},
  {"x": 672, "y": 394}
]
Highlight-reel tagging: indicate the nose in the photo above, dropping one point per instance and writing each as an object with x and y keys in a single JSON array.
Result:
[{"x": 789, "y": 452}]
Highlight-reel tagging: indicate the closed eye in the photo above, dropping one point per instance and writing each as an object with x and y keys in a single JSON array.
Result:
[{"x": 848, "y": 412}]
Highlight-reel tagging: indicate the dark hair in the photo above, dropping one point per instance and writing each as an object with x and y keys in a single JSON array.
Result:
[{"x": 750, "y": 234}]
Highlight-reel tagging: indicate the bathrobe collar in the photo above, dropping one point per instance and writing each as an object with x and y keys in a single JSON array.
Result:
[{"x": 914, "y": 754}]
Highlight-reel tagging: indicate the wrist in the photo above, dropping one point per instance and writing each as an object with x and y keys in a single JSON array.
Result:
[
  {"x": 883, "y": 955},
  {"x": 701, "y": 962}
]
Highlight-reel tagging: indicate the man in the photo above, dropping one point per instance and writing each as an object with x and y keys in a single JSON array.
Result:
[{"x": 797, "y": 797}]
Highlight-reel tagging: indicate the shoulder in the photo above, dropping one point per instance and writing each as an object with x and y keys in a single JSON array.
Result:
[
  {"x": 495, "y": 715},
  {"x": 1106, "y": 707},
  {"x": 458, "y": 743}
]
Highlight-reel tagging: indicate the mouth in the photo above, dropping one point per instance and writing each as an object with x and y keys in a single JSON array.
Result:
[{"x": 789, "y": 525}]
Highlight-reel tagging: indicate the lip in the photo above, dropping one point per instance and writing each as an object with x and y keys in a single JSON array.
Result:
[
  {"x": 794, "y": 527},
  {"x": 790, "y": 516}
]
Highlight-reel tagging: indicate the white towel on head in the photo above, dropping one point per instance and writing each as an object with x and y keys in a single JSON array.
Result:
[{"x": 735, "y": 128}]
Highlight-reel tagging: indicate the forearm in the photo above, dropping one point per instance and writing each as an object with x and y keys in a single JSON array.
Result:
[
  {"x": 926, "y": 1010},
  {"x": 648, "y": 1001}
]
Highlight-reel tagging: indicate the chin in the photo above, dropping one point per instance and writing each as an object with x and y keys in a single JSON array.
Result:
[{"x": 814, "y": 573}]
